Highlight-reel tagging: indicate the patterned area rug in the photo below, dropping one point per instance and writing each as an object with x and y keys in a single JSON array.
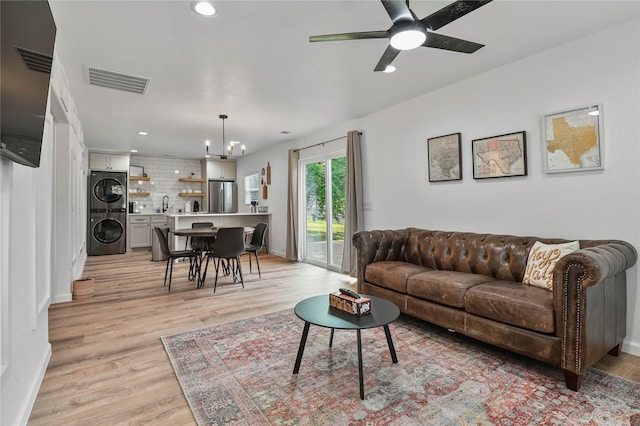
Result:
[{"x": 240, "y": 373}]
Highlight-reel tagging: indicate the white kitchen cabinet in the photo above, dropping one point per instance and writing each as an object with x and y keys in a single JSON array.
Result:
[
  {"x": 109, "y": 162},
  {"x": 158, "y": 221},
  {"x": 221, "y": 169},
  {"x": 139, "y": 231}
]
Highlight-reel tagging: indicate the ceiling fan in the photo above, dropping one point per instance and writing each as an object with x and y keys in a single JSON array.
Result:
[{"x": 409, "y": 32}]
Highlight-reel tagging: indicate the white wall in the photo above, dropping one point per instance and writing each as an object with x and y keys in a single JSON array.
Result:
[
  {"x": 24, "y": 342},
  {"x": 276, "y": 192},
  {"x": 589, "y": 205},
  {"x": 42, "y": 249}
]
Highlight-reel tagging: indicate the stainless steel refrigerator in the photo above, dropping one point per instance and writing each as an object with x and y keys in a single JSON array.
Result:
[{"x": 223, "y": 196}]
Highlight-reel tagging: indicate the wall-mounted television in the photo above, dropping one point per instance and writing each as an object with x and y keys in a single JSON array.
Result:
[{"x": 27, "y": 38}]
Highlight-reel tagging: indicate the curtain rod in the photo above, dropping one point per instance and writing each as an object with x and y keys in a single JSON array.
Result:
[{"x": 322, "y": 143}]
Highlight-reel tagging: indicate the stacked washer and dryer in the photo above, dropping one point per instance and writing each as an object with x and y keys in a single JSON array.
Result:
[{"x": 107, "y": 213}]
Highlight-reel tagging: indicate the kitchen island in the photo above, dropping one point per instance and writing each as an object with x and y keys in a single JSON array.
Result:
[{"x": 220, "y": 220}]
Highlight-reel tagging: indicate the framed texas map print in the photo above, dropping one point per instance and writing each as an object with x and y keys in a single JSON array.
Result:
[
  {"x": 445, "y": 158},
  {"x": 573, "y": 140},
  {"x": 500, "y": 156}
]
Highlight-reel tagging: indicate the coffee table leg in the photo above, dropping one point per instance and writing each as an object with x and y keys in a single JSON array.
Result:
[
  {"x": 360, "y": 365},
  {"x": 303, "y": 341},
  {"x": 387, "y": 333},
  {"x": 331, "y": 338}
]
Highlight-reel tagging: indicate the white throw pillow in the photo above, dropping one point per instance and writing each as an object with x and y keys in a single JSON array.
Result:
[{"x": 542, "y": 259}]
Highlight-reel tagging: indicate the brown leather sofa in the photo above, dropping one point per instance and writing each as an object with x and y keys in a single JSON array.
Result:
[{"x": 472, "y": 284}]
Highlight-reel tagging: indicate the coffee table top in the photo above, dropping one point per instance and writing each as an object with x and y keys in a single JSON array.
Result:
[{"x": 316, "y": 310}]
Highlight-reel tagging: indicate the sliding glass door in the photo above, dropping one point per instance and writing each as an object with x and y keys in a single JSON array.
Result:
[{"x": 323, "y": 189}]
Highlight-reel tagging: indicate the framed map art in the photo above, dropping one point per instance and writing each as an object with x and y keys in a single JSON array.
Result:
[
  {"x": 500, "y": 156},
  {"x": 445, "y": 158},
  {"x": 573, "y": 140}
]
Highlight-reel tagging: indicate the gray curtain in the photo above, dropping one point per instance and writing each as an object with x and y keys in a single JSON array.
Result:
[
  {"x": 292, "y": 252},
  {"x": 354, "y": 220}
]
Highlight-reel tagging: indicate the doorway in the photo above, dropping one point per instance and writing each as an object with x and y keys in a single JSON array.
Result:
[{"x": 323, "y": 190}]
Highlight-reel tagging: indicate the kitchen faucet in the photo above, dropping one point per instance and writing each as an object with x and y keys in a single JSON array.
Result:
[{"x": 165, "y": 205}]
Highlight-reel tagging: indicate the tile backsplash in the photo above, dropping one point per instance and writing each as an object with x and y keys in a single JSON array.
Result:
[{"x": 164, "y": 174}]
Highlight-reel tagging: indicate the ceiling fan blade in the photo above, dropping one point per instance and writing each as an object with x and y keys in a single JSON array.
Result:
[
  {"x": 387, "y": 57},
  {"x": 349, "y": 36},
  {"x": 451, "y": 12},
  {"x": 398, "y": 10},
  {"x": 440, "y": 41}
]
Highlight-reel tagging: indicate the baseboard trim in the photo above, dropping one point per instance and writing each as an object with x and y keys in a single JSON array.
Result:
[
  {"x": 631, "y": 348},
  {"x": 25, "y": 410},
  {"x": 277, "y": 253},
  {"x": 67, "y": 297}
]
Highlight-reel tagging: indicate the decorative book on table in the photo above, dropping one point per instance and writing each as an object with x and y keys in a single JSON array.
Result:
[{"x": 356, "y": 306}]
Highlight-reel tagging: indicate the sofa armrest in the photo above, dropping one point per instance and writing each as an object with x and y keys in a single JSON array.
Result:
[
  {"x": 598, "y": 262},
  {"x": 376, "y": 246},
  {"x": 589, "y": 287}
]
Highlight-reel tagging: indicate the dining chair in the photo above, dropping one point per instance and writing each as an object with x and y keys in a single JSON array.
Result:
[
  {"x": 198, "y": 241},
  {"x": 172, "y": 255},
  {"x": 229, "y": 246},
  {"x": 256, "y": 243},
  {"x": 199, "y": 245}
]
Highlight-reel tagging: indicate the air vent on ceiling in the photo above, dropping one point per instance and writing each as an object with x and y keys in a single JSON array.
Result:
[
  {"x": 116, "y": 80},
  {"x": 35, "y": 61}
]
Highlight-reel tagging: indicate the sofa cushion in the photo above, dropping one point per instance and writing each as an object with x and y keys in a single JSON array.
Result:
[
  {"x": 542, "y": 259},
  {"x": 392, "y": 274},
  {"x": 446, "y": 287},
  {"x": 512, "y": 303}
]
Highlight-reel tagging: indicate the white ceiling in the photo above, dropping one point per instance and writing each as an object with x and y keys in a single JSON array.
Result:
[{"x": 253, "y": 61}]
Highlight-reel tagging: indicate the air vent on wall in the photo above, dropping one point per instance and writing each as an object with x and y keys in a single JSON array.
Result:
[
  {"x": 116, "y": 80},
  {"x": 35, "y": 61}
]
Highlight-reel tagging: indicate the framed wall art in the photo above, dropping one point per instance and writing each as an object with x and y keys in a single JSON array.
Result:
[
  {"x": 500, "y": 156},
  {"x": 573, "y": 140},
  {"x": 136, "y": 171},
  {"x": 444, "y": 158}
]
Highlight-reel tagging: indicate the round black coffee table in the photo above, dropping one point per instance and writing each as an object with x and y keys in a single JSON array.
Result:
[{"x": 316, "y": 310}]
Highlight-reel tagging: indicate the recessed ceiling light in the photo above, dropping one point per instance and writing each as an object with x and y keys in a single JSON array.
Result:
[
  {"x": 389, "y": 69},
  {"x": 134, "y": 150},
  {"x": 143, "y": 133},
  {"x": 204, "y": 8}
]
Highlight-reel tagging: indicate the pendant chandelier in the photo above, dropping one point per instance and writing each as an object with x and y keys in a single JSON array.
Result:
[{"x": 227, "y": 151}]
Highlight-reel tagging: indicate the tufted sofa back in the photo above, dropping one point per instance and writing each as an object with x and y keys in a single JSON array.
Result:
[{"x": 503, "y": 257}]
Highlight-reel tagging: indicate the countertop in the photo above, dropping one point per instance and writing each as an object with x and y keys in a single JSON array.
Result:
[
  {"x": 215, "y": 214},
  {"x": 147, "y": 214}
]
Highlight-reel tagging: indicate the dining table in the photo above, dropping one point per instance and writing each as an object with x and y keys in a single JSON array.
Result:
[{"x": 208, "y": 235}]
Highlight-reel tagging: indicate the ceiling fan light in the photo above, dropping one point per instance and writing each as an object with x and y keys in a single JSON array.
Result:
[
  {"x": 203, "y": 8},
  {"x": 408, "y": 39}
]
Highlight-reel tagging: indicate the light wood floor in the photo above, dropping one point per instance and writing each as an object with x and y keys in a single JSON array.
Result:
[{"x": 109, "y": 366}]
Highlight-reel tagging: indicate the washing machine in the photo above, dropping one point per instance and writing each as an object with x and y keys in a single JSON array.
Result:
[{"x": 107, "y": 213}]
